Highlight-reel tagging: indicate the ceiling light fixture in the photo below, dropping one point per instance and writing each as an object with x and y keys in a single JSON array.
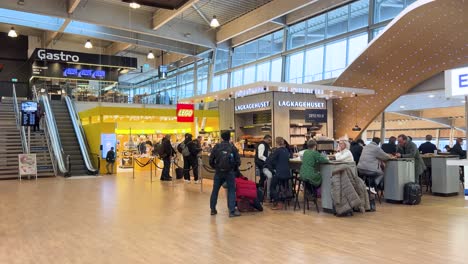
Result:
[
  {"x": 150, "y": 55},
  {"x": 214, "y": 22},
  {"x": 431, "y": 96},
  {"x": 134, "y": 5},
  {"x": 12, "y": 33},
  {"x": 88, "y": 44}
]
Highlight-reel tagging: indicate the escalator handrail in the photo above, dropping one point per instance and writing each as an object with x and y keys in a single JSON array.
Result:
[
  {"x": 80, "y": 135},
  {"x": 54, "y": 136},
  {"x": 24, "y": 142}
]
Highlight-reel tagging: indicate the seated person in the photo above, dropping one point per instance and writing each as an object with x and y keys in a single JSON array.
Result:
[
  {"x": 343, "y": 153},
  {"x": 310, "y": 161},
  {"x": 371, "y": 158}
]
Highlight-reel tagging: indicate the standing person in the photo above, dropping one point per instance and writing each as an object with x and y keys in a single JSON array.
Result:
[
  {"x": 407, "y": 149},
  {"x": 356, "y": 149},
  {"x": 457, "y": 149},
  {"x": 38, "y": 119},
  {"x": 278, "y": 162},
  {"x": 427, "y": 147},
  {"x": 191, "y": 160},
  {"x": 226, "y": 160},
  {"x": 110, "y": 159},
  {"x": 166, "y": 155},
  {"x": 261, "y": 154},
  {"x": 390, "y": 147}
]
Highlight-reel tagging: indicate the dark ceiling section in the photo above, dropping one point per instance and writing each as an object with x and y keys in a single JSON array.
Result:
[{"x": 165, "y": 4}]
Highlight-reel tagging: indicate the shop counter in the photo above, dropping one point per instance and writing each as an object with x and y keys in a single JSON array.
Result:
[
  {"x": 445, "y": 179},
  {"x": 397, "y": 173},
  {"x": 246, "y": 162},
  {"x": 326, "y": 170}
]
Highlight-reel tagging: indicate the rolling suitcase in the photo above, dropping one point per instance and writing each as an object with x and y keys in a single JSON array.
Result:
[
  {"x": 412, "y": 193},
  {"x": 179, "y": 173},
  {"x": 247, "y": 195}
]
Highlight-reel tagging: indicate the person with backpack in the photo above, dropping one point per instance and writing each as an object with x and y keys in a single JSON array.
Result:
[
  {"x": 225, "y": 159},
  {"x": 189, "y": 150},
  {"x": 166, "y": 153},
  {"x": 110, "y": 159}
]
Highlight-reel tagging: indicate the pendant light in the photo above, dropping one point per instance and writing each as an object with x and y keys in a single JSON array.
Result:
[
  {"x": 356, "y": 127},
  {"x": 134, "y": 5},
  {"x": 88, "y": 44},
  {"x": 12, "y": 33},
  {"x": 150, "y": 55},
  {"x": 214, "y": 22}
]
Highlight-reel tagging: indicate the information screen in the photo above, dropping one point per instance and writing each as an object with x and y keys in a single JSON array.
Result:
[
  {"x": 107, "y": 142},
  {"x": 29, "y": 106}
]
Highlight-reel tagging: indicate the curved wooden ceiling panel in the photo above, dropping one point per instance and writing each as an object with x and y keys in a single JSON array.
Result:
[{"x": 426, "y": 39}]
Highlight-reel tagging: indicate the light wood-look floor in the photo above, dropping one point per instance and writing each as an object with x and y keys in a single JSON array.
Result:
[{"x": 115, "y": 219}]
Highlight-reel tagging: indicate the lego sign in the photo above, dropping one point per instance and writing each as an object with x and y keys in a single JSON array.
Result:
[{"x": 185, "y": 112}]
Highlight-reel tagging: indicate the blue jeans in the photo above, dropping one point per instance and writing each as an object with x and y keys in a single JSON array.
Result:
[
  {"x": 165, "y": 170},
  {"x": 219, "y": 179}
]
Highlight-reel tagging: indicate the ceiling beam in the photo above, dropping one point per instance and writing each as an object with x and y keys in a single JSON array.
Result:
[
  {"x": 72, "y": 5},
  {"x": 162, "y": 16},
  {"x": 123, "y": 19},
  {"x": 116, "y": 47},
  {"x": 259, "y": 16}
]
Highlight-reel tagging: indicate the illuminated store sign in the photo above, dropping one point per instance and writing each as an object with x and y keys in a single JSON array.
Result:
[
  {"x": 84, "y": 73},
  {"x": 185, "y": 112},
  {"x": 456, "y": 82},
  {"x": 252, "y": 106},
  {"x": 284, "y": 103},
  {"x": 57, "y": 56},
  {"x": 300, "y": 90},
  {"x": 251, "y": 91}
]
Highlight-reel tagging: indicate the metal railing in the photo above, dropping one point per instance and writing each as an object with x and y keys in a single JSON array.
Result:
[
  {"x": 24, "y": 142},
  {"x": 63, "y": 162},
  {"x": 80, "y": 135},
  {"x": 46, "y": 134}
]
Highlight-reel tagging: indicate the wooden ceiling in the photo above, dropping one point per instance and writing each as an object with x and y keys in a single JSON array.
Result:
[{"x": 418, "y": 44}]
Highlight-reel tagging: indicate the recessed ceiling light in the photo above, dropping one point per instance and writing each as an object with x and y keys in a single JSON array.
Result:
[
  {"x": 134, "y": 5},
  {"x": 431, "y": 96}
]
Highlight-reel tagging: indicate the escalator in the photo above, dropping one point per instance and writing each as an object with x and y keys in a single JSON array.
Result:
[{"x": 67, "y": 136}]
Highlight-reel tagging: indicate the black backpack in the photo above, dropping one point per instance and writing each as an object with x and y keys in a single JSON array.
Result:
[
  {"x": 224, "y": 160},
  {"x": 412, "y": 193}
]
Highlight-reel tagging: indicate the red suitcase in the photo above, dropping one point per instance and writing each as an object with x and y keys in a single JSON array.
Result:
[{"x": 245, "y": 189}]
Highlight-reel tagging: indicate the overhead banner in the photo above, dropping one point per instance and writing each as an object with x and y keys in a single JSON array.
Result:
[
  {"x": 316, "y": 115},
  {"x": 185, "y": 112}
]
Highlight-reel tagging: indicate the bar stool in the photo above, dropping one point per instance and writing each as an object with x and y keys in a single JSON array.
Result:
[
  {"x": 368, "y": 177},
  {"x": 285, "y": 191},
  {"x": 309, "y": 191}
]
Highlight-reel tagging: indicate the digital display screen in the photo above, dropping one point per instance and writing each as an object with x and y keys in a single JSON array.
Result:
[
  {"x": 107, "y": 141},
  {"x": 29, "y": 106}
]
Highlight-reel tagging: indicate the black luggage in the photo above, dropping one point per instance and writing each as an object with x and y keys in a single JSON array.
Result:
[
  {"x": 179, "y": 173},
  {"x": 412, "y": 193}
]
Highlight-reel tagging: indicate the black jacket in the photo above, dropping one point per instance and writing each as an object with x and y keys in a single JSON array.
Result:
[
  {"x": 110, "y": 156},
  {"x": 427, "y": 147},
  {"x": 356, "y": 149},
  {"x": 258, "y": 161},
  {"x": 279, "y": 161},
  {"x": 193, "y": 147},
  {"x": 389, "y": 148},
  {"x": 214, "y": 155},
  {"x": 457, "y": 150},
  {"x": 167, "y": 147}
]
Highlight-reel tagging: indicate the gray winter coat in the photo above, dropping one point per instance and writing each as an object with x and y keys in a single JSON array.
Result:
[
  {"x": 348, "y": 190},
  {"x": 410, "y": 150},
  {"x": 371, "y": 156}
]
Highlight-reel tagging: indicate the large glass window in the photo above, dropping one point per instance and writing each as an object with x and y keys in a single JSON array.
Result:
[
  {"x": 313, "y": 65},
  {"x": 356, "y": 45},
  {"x": 220, "y": 82},
  {"x": 295, "y": 67},
  {"x": 237, "y": 78},
  {"x": 263, "y": 71},
  {"x": 337, "y": 21},
  {"x": 268, "y": 45},
  {"x": 276, "y": 70},
  {"x": 222, "y": 60},
  {"x": 388, "y": 9},
  {"x": 358, "y": 14},
  {"x": 266, "y": 71},
  {"x": 335, "y": 58}
]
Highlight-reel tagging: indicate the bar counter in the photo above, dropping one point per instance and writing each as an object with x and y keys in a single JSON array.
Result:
[
  {"x": 326, "y": 170},
  {"x": 445, "y": 179},
  {"x": 397, "y": 173}
]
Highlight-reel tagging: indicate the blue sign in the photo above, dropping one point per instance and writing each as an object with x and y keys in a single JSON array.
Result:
[
  {"x": 107, "y": 142},
  {"x": 84, "y": 73},
  {"x": 463, "y": 80}
]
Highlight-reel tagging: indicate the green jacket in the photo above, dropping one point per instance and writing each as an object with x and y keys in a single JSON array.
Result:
[{"x": 310, "y": 170}]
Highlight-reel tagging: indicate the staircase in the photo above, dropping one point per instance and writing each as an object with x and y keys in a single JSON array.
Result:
[
  {"x": 40, "y": 148},
  {"x": 68, "y": 137},
  {"x": 10, "y": 140}
]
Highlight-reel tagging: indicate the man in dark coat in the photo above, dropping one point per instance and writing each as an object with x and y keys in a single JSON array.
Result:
[
  {"x": 427, "y": 147},
  {"x": 356, "y": 149},
  {"x": 390, "y": 147},
  {"x": 168, "y": 153}
]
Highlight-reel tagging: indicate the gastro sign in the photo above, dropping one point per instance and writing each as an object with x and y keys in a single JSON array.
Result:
[
  {"x": 43, "y": 54},
  {"x": 185, "y": 112}
]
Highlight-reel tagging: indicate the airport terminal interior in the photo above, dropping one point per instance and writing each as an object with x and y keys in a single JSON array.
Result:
[{"x": 247, "y": 131}]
